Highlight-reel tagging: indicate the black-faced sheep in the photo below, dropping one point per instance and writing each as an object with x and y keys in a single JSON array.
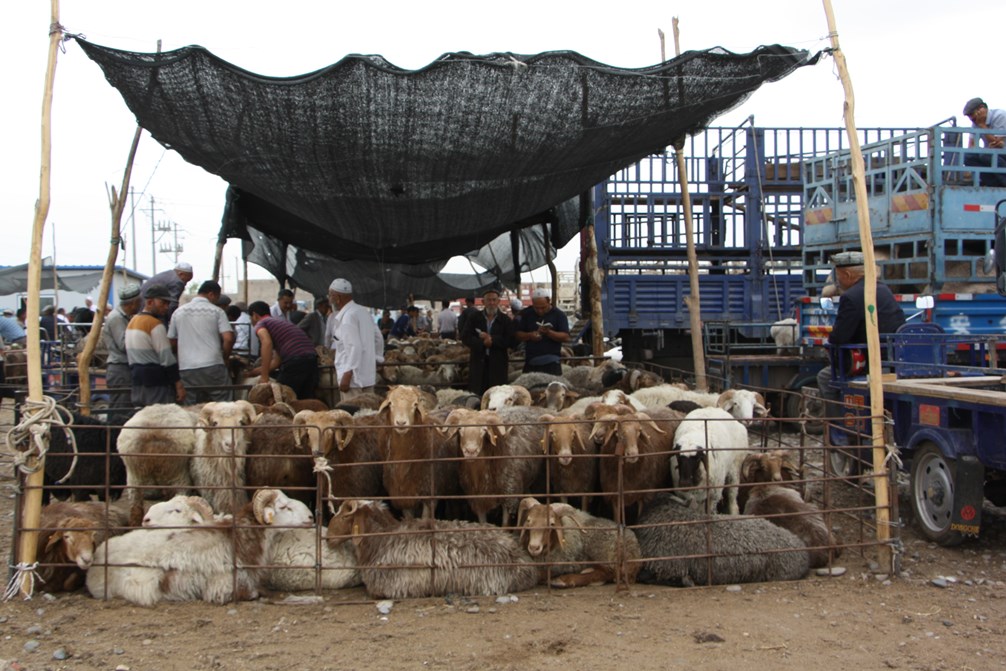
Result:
[
  {"x": 581, "y": 549},
  {"x": 422, "y": 558},
  {"x": 213, "y": 562},
  {"x": 502, "y": 456},
  {"x": 418, "y": 460},
  {"x": 155, "y": 446},
  {"x": 98, "y": 463},
  {"x": 218, "y": 460},
  {"x": 682, "y": 546},
  {"x": 710, "y": 446}
]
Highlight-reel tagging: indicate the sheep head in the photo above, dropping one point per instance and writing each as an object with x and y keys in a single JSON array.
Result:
[
  {"x": 272, "y": 507},
  {"x": 358, "y": 517},
  {"x": 562, "y": 435},
  {"x": 179, "y": 511},
  {"x": 688, "y": 465},
  {"x": 322, "y": 431},
  {"x": 745, "y": 405},
  {"x": 404, "y": 407},
  {"x": 473, "y": 427},
  {"x": 75, "y": 539},
  {"x": 505, "y": 395},
  {"x": 558, "y": 396},
  {"x": 227, "y": 421},
  {"x": 774, "y": 466},
  {"x": 541, "y": 523}
]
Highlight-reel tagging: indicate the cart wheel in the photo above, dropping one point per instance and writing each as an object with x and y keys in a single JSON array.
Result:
[
  {"x": 793, "y": 407},
  {"x": 933, "y": 494}
]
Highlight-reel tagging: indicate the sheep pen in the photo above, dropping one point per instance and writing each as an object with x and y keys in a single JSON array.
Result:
[{"x": 346, "y": 599}]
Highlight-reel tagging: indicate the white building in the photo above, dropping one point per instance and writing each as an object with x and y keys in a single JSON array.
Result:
[{"x": 74, "y": 284}]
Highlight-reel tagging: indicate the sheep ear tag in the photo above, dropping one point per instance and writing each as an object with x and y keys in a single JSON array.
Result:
[{"x": 356, "y": 529}]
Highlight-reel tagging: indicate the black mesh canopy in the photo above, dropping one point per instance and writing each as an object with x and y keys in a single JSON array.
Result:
[{"x": 379, "y": 174}]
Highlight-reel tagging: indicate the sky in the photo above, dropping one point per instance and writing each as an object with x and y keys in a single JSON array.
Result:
[{"x": 912, "y": 63}]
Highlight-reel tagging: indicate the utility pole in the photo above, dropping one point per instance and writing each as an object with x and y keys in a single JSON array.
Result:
[{"x": 155, "y": 228}]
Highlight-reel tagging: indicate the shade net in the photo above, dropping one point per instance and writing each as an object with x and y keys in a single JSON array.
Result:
[{"x": 379, "y": 174}]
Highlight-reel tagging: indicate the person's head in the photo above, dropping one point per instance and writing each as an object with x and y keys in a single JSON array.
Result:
[
  {"x": 233, "y": 313},
  {"x": 285, "y": 300},
  {"x": 88, "y": 301},
  {"x": 413, "y": 312},
  {"x": 62, "y": 311},
  {"x": 516, "y": 306},
  {"x": 49, "y": 311},
  {"x": 184, "y": 271},
  {"x": 157, "y": 300},
  {"x": 322, "y": 305},
  {"x": 258, "y": 310},
  {"x": 129, "y": 299},
  {"x": 445, "y": 305},
  {"x": 340, "y": 292},
  {"x": 976, "y": 110},
  {"x": 210, "y": 290},
  {"x": 541, "y": 301},
  {"x": 386, "y": 314},
  {"x": 491, "y": 301},
  {"x": 223, "y": 301},
  {"x": 469, "y": 301},
  {"x": 848, "y": 268}
]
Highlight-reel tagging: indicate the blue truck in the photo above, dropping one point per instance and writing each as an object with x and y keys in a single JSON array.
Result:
[{"x": 770, "y": 206}]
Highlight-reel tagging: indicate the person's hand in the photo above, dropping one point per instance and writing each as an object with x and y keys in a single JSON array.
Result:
[
  {"x": 179, "y": 392},
  {"x": 995, "y": 141}
]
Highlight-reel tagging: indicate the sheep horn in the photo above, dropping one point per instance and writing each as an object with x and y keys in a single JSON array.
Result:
[
  {"x": 566, "y": 510},
  {"x": 346, "y": 433},
  {"x": 748, "y": 466},
  {"x": 262, "y": 505},
  {"x": 277, "y": 393},
  {"x": 200, "y": 506}
]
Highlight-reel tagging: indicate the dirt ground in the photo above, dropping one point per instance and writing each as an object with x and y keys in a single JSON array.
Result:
[{"x": 859, "y": 620}]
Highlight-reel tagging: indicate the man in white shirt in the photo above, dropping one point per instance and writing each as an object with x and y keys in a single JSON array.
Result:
[
  {"x": 353, "y": 336},
  {"x": 203, "y": 338},
  {"x": 447, "y": 322},
  {"x": 284, "y": 306}
]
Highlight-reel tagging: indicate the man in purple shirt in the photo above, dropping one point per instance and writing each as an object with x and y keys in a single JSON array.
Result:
[{"x": 286, "y": 347}]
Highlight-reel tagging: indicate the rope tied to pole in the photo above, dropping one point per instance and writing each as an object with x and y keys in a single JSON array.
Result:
[
  {"x": 22, "y": 574},
  {"x": 30, "y": 438},
  {"x": 322, "y": 466}
]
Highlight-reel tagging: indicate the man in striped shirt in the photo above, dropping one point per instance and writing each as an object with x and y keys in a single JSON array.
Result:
[
  {"x": 284, "y": 346},
  {"x": 152, "y": 365}
]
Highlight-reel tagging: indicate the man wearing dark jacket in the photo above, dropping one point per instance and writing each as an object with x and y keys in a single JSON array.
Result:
[{"x": 488, "y": 334}]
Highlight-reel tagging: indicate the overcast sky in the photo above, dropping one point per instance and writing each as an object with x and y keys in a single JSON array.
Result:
[{"x": 913, "y": 63}]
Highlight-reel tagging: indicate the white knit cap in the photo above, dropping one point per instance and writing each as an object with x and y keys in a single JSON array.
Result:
[
  {"x": 183, "y": 266},
  {"x": 541, "y": 293},
  {"x": 341, "y": 286}
]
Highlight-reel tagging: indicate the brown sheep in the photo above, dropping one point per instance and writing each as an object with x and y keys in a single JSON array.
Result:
[
  {"x": 275, "y": 459},
  {"x": 574, "y": 471},
  {"x": 68, "y": 534}
]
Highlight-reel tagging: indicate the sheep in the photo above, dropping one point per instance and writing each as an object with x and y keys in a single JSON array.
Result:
[
  {"x": 582, "y": 549},
  {"x": 710, "y": 446},
  {"x": 68, "y": 533},
  {"x": 217, "y": 563},
  {"x": 291, "y": 551},
  {"x": 410, "y": 442},
  {"x": 629, "y": 381},
  {"x": 99, "y": 468},
  {"x": 422, "y": 558},
  {"x": 555, "y": 396},
  {"x": 275, "y": 457},
  {"x": 505, "y": 395},
  {"x": 574, "y": 471},
  {"x": 782, "y": 505},
  {"x": 632, "y": 446},
  {"x": 268, "y": 393},
  {"x": 350, "y": 445},
  {"x": 445, "y": 373},
  {"x": 218, "y": 460},
  {"x": 499, "y": 450},
  {"x": 155, "y": 446},
  {"x": 458, "y": 398},
  {"x": 784, "y": 333},
  {"x": 536, "y": 379},
  {"x": 590, "y": 379},
  {"x": 743, "y": 404},
  {"x": 684, "y": 547},
  {"x": 617, "y": 396}
]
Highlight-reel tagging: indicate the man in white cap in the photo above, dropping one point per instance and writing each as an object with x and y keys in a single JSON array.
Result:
[
  {"x": 544, "y": 328},
  {"x": 175, "y": 281},
  {"x": 113, "y": 335},
  {"x": 353, "y": 337}
]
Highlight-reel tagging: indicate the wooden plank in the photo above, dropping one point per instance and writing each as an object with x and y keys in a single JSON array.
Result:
[{"x": 948, "y": 392}]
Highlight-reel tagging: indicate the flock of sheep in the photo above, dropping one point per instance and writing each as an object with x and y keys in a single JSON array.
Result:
[{"x": 599, "y": 475}]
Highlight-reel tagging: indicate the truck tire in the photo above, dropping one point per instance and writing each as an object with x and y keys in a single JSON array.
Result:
[
  {"x": 932, "y": 493},
  {"x": 814, "y": 424}
]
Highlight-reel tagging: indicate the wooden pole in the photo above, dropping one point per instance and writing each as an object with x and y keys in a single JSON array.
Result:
[
  {"x": 881, "y": 489},
  {"x": 218, "y": 260},
  {"x": 117, "y": 204},
  {"x": 594, "y": 277},
  {"x": 32, "y": 501},
  {"x": 692, "y": 300}
]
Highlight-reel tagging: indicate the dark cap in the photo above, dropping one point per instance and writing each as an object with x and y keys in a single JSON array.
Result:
[
  {"x": 973, "y": 104},
  {"x": 846, "y": 259},
  {"x": 157, "y": 291},
  {"x": 412, "y": 308},
  {"x": 224, "y": 300}
]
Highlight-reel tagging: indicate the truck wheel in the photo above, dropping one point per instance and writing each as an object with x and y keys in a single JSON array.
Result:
[
  {"x": 933, "y": 494},
  {"x": 814, "y": 424}
]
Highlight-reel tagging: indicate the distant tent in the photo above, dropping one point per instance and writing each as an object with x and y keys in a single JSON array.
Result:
[{"x": 380, "y": 174}]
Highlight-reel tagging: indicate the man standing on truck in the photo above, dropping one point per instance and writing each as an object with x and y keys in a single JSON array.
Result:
[
  {"x": 850, "y": 324},
  {"x": 982, "y": 117}
]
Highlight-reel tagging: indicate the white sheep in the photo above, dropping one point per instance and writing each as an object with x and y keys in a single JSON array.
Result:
[
  {"x": 156, "y": 444},
  {"x": 742, "y": 404},
  {"x": 218, "y": 461},
  {"x": 505, "y": 395},
  {"x": 213, "y": 562},
  {"x": 784, "y": 333},
  {"x": 710, "y": 447}
]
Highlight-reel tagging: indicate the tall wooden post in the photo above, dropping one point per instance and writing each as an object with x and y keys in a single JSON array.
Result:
[
  {"x": 881, "y": 489},
  {"x": 692, "y": 300},
  {"x": 32, "y": 501}
]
